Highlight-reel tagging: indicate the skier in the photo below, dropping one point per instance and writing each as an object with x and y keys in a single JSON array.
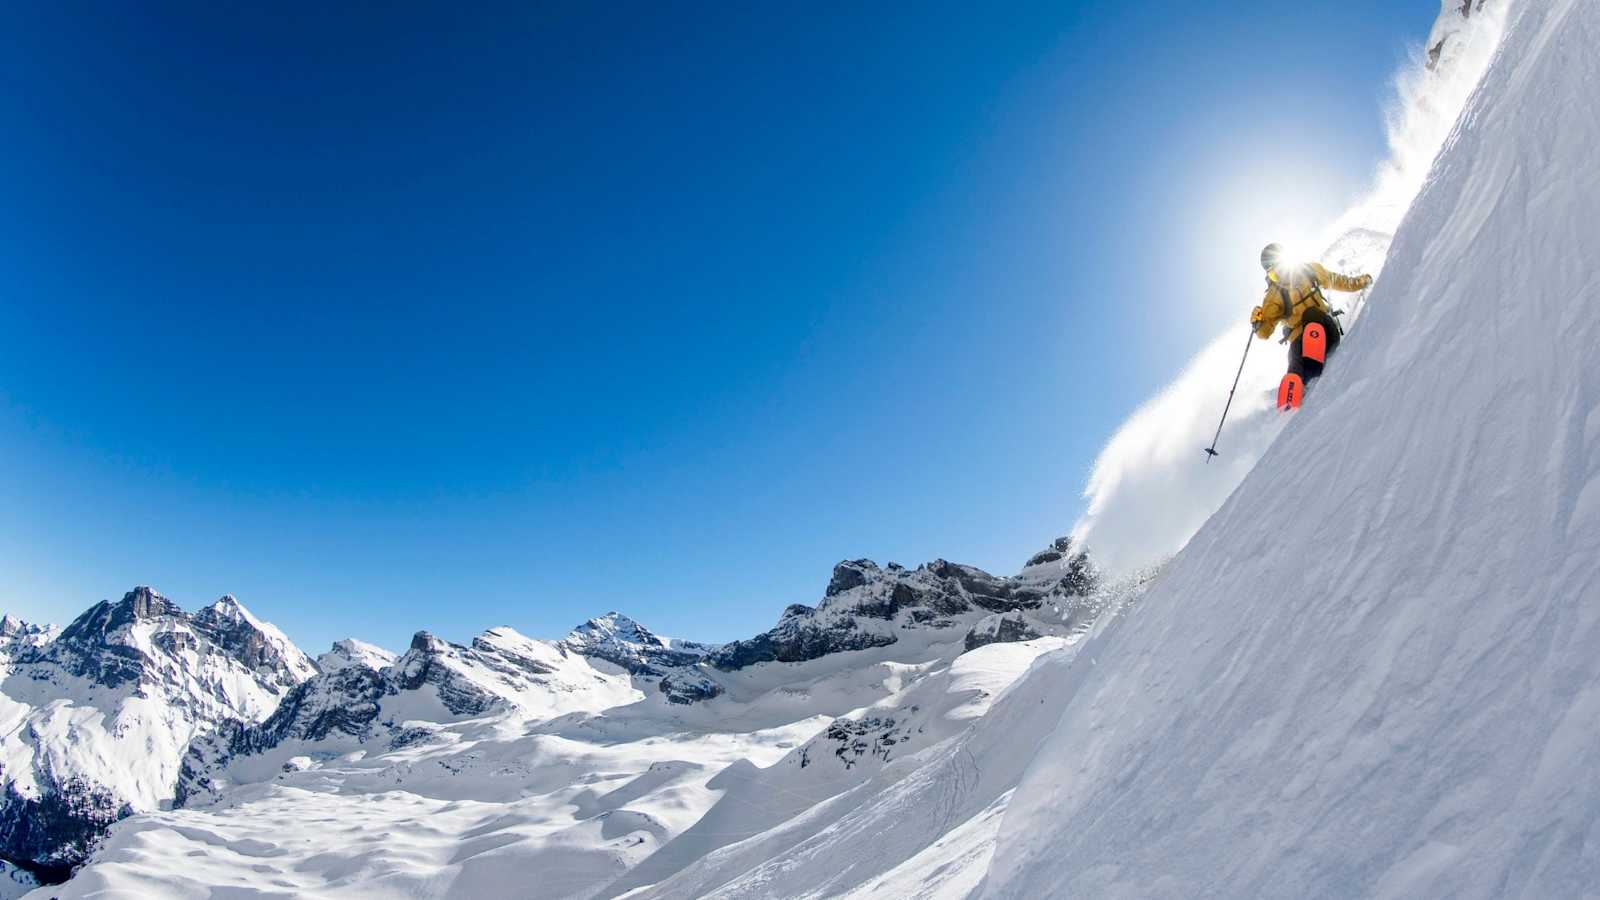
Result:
[{"x": 1294, "y": 297}]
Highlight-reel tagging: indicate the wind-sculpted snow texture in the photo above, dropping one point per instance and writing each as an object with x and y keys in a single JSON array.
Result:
[{"x": 1379, "y": 678}]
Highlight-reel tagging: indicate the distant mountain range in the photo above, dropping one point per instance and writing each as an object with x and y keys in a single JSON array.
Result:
[{"x": 139, "y": 706}]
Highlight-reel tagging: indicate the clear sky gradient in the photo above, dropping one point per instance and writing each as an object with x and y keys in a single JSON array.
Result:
[{"x": 449, "y": 316}]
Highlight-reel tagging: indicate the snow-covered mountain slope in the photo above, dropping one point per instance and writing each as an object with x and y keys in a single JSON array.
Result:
[
  {"x": 917, "y": 780},
  {"x": 1146, "y": 496},
  {"x": 95, "y": 719},
  {"x": 17, "y": 637},
  {"x": 435, "y": 684},
  {"x": 621, "y": 640},
  {"x": 575, "y": 757},
  {"x": 15, "y": 882},
  {"x": 351, "y": 652},
  {"x": 1374, "y": 672}
]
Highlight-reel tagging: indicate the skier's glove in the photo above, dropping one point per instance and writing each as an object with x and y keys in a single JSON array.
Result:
[
  {"x": 1366, "y": 282},
  {"x": 1256, "y": 315}
]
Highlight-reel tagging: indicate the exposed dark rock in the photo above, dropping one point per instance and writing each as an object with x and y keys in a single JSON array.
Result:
[
  {"x": 1060, "y": 549},
  {"x": 852, "y": 740},
  {"x": 798, "y": 638},
  {"x": 624, "y": 642},
  {"x": 850, "y": 575},
  {"x": 1000, "y": 628},
  {"x": 227, "y": 625},
  {"x": 861, "y": 598},
  {"x": 689, "y": 687},
  {"x": 424, "y": 664},
  {"x": 61, "y": 826}
]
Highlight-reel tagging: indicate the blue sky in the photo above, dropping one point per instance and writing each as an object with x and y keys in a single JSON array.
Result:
[{"x": 450, "y": 316}]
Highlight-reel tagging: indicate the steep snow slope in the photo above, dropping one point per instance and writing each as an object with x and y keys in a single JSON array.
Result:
[
  {"x": 921, "y": 823},
  {"x": 1375, "y": 672},
  {"x": 1146, "y": 496}
]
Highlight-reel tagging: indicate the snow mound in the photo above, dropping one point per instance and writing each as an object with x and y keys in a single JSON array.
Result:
[{"x": 1373, "y": 672}]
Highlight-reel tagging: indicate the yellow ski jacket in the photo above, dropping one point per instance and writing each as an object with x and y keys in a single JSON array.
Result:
[{"x": 1288, "y": 301}]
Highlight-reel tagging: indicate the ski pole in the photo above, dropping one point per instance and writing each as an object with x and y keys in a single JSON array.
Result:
[{"x": 1212, "y": 450}]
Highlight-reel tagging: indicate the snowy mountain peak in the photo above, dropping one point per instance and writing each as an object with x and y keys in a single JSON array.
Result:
[
  {"x": 850, "y": 575},
  {"x": 144, "y": 602},
  {"x": 105, "y": 618},
  {"x": 622, "y": 641},
  {"x": 615, "y": 625},
  {"x": 351, "y": 652},
  {"x": 228, "y": 606},
  {"x": 101, "y": 715},
  {"x": 425, "y": 642},
  {"x": 259, "y": 645},
  {"x": 18, "y": 637}
]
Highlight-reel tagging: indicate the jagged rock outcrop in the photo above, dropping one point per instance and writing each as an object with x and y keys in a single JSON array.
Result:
[
  {"x": 253, "y": 642},
  {"x": 688, "y": 686},
  {"x": 1000, "y": 628},
  {"x": 428, "y": 663},
  {"x": 865, "y": 606},
  {"x": 17, "y": 636},
  {"x": 342, "y": 702},
  {"x": 624, "y": 642},
  {"x": 59, "y": 827}
]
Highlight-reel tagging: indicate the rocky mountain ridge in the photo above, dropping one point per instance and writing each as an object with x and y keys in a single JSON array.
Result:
[
  {"x": 220, "y": 687},
  {"x": 95, "y": 718}
]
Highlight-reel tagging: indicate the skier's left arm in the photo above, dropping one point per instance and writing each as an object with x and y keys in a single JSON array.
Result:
[{"x": 1337, "y": 282}]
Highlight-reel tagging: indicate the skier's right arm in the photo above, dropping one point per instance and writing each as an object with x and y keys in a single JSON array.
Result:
[
  {"x": 1339, "y": 282},
  {"x": 1266, "y": 316}
]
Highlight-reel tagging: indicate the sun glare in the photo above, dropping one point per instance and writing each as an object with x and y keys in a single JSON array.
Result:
[{"x": 1294, "y": 254}]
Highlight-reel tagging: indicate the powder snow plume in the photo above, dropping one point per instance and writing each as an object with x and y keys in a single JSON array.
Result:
[{"x": 1150, "y": 490}]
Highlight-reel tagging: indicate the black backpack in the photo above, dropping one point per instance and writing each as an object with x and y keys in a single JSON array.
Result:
[{"x": 1286, "y": 296}]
